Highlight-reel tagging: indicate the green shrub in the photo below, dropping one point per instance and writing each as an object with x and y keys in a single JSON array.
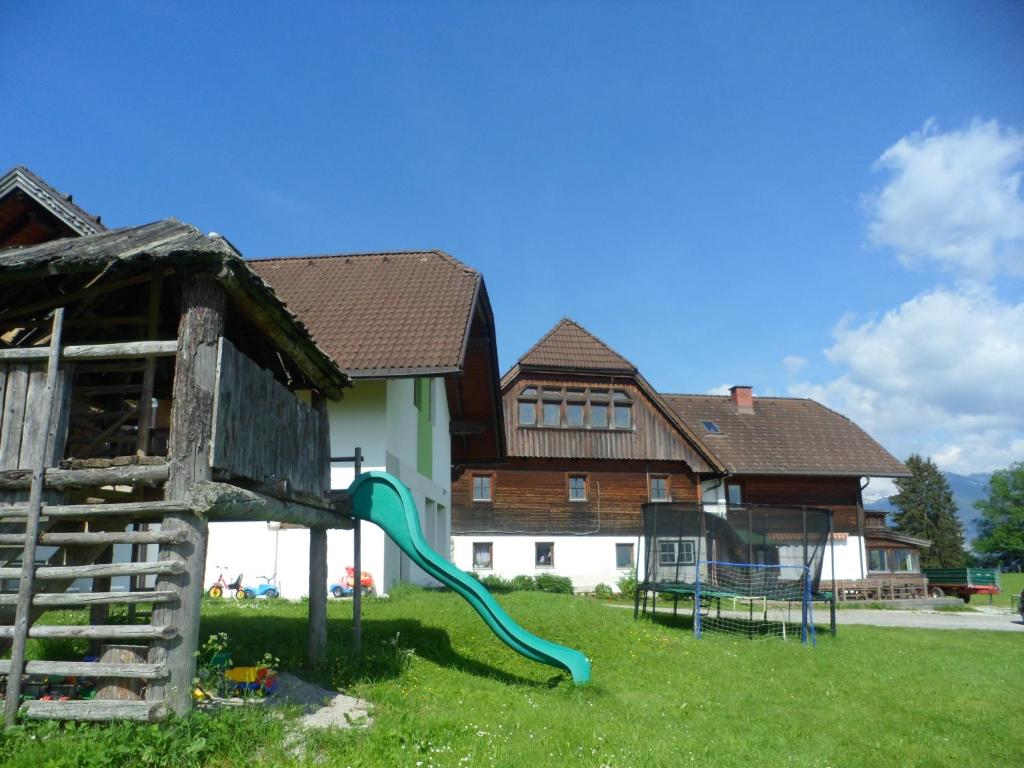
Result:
[
  {"x": 495, "y": 583},
  {"x": 627, "y": 585},
  {"x": 603, "y": 592},
  {"x": 524, "y": 583},
  {"x": 549, "y": 582}
]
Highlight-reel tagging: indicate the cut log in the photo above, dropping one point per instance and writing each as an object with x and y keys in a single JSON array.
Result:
[
  {"x": 132, "y": 509},
  {"x": 94, "y": 538},
  {"x": 121, "y": 687}
]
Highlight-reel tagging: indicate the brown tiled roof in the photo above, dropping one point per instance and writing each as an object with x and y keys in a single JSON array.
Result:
[
  {"x": 570, "y": 346},
  {"x": 785, "y": 436},
  {"x": 381, "y": 314}
]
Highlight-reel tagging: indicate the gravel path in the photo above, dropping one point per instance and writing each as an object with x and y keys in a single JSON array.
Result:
[{"x": 988, "y": 619}]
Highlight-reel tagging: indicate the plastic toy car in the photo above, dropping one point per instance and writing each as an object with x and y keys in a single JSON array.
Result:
[
  {"x": 267, "y": 589},
  {"x": 343, "y": 587}
]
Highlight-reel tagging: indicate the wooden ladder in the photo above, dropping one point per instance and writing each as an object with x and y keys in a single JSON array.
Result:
[{"x": 42, "y": 587}]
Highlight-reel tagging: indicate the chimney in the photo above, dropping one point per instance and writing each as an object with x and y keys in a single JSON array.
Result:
[{"x": 743, "y": 396}]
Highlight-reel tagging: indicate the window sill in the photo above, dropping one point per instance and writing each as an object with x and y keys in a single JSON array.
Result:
[
  {"x": 577, "y": 501},
  {"x": 483, "y": 501},
  {"x": 544, "y": 567}
]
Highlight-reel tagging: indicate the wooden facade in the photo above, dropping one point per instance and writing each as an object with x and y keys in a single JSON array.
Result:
[
  {"x": 532, "y": 496},
  {"x": 839, "y": 494}
]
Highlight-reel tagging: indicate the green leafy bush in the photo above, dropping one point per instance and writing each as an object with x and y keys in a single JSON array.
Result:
[
  {"x": 524, "y": 583},
  {"x": 627, "y": 585},
  {"x": 495, "y": 583},
  {"x": 603, "y": 592},
  {"x": 549, "y": 582}
]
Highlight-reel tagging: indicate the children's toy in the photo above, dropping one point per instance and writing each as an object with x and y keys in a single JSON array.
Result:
[
  {"x": 345, "y": 586},
  {"x": 267, "y": 589},
  {"x": 252, "y": 679},
  {"x": 220, "y": 586}
]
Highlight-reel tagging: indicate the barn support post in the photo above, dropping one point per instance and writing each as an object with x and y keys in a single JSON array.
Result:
[{"x": 195, "y": 378}]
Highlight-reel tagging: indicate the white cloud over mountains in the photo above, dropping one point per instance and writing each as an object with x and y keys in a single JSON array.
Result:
[
  {"x": 954, "y": 199},
  {"x": 943, "y": 373}
]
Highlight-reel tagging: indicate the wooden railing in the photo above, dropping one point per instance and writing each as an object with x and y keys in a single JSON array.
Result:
[{"x": 262, "y": 431}]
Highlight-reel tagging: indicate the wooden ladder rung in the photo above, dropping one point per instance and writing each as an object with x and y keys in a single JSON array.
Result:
[
  {"x": 97, "y": 631},
  {"x": 101, "y": 570},
  {"x": 54, "y": 599},
  {"x": 135, "y": 509},
  {"x": 91, "y": 538},
  {"x": 90, "y": 669},
  {"x": 146, "y": 711}
]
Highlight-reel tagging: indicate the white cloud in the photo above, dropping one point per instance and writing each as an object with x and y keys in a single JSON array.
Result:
[
  {"x": 794, "y": 364},
  {"x": 942, "y": 375},
  {"x": 954, "y": 199},
  {"x": 721, "y": 389}
]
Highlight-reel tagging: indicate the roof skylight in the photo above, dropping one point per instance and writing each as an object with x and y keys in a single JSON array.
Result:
[{"x": 711, "y": 428}]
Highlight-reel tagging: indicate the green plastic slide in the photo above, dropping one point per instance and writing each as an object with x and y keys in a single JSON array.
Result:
[{"x": 383, "y": 500}]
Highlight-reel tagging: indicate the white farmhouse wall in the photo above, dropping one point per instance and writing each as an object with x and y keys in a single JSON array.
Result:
[
  {"x": 380, "y": 418},
  {"x": 587, "y": 560}
]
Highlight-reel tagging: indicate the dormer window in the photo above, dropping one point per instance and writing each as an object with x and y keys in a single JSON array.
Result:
[{"x": 574, "y": 408}]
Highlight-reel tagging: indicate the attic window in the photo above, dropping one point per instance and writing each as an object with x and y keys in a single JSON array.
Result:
[{"x": 711, "y": 428}]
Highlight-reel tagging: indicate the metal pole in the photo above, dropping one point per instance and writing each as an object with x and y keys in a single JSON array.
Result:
[
  {"x": 832, "y": 553},
  {"x": 357, "y": 565}
]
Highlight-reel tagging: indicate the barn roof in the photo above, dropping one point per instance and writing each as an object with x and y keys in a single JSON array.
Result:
[
  {"x": 31, "y": 211},
  {"x": 790, "y": 436}
]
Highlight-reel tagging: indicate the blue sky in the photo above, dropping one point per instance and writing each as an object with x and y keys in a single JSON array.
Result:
[{"x": 701, "y": 185}]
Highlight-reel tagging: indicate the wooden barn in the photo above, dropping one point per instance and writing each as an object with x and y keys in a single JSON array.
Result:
[{"x": 150, "y": 382}]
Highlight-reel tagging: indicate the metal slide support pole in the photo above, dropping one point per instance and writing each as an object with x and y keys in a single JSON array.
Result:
[
  {"x": 807, "y": 581},
  {"x": 832, "y": 553},
  {"x": 357, "y": 565}
]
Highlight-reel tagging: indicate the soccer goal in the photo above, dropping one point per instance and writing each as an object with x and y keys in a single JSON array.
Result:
[{"x": 753, "y": 600}]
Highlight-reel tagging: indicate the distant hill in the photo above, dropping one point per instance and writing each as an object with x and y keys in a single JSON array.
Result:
[{"x": 967, "y": 489}]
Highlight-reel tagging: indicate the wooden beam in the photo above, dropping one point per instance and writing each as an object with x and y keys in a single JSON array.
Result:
[
  {"x": 69, "y": 298},
  {"x": 91, "y": 538},
  {"x": 89, "y": 669},
  {"x": 317, "y": 607},
  {"x": 221, "y": 502},
  {"x": 203, "y": 306},
  {"x": 66, "y": 479},
  {"x": 114, "y": 351},
  {"x": 133, "y": 509},
  {"x": 60, "y": 572},
  {"x": 149, "y": 374},
  {"x": 143, "y": 711},
  {"x": 105, "y": 631},
  {"x": 66, "y": 599}
]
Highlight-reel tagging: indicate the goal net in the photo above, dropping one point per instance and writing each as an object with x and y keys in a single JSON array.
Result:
[{"x": 753, "y": 600}]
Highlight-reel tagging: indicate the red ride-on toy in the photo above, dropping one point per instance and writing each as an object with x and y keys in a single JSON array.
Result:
[
  {"x": 345, "y": 586},
  {"x": 220, "y": 587}
]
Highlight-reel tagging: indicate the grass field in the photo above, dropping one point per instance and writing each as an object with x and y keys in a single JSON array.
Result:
[
  {"x": 1011, "y": 584},
  {"x": 446, "y": 693}
]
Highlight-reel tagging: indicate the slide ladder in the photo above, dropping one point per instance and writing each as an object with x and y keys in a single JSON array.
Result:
[{"x": 383, "y": 500}]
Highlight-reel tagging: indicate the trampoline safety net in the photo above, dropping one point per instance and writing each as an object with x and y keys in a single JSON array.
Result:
[{"x": 747, "y": 569}]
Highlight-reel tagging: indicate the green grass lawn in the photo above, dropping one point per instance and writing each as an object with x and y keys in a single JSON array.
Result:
[
  {"x": 446, "y": 693},
  {"x": 1011, "y": 584}
]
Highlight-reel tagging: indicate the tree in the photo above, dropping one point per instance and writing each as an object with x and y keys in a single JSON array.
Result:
[
  {"x": 1002, "y": 521},
  {"x": 925, "y": 509}
]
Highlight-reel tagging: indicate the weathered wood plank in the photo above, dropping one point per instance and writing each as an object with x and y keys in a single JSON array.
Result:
[
  {"x": 113, "y": 351},
  {"x": 64, "y": 599},
  {"x": 15, "y": 395},
  {"x": 91, "y": 710},
  {"x": 262, "y": 431},
  {"x": 101, "y": 632},
  {"x": 67, "y": 479},
  {"x": 91, "y": 538},
  {"x": 46, "y": 572},
  {"x": 89, "y": 669},
  {"x": 133, "y": 509}
]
